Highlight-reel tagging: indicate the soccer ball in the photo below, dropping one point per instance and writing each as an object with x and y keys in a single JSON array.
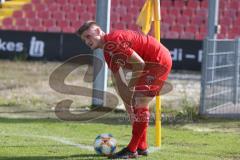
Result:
[{"x": 105, "y": 144}]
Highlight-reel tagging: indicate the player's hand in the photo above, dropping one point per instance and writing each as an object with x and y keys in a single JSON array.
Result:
[
  {"x": 126, "y": 95},
  {"x": 130, "y": 112}
]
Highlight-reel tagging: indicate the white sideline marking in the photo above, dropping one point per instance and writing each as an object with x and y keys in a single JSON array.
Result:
[
  {"x": 67, "y": 142},
  {"x": 57, "y": 139},
  {"x": 153, "y": 149}
]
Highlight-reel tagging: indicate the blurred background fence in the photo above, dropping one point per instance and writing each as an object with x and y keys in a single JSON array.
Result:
[{"x": 220, "y": 78}]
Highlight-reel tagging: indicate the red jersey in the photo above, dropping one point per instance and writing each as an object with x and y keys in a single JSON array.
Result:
[{"x": 120, "y": 44}]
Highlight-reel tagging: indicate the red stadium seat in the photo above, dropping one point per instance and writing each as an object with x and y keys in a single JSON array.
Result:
[
  {"x": 199, "y": 36},
  {"x": 58, "y": 15},
  {"x": 43, "y": 15},
  {"x": 47, "y": 1},
  {"x": 86, "y": 16},
  {"x": 133, "y": 27},
  {"x": 230, "y": 13},
  {"x": 67, "y": 8},
  {"x": 223, "y": 29},
  {"x": 120, "y": 9},
  {"x": 37, "y": 1},
  {"x": 126, "y": 3},
  {"x": 48, "y": 23},
  {"x": 34, "y": 23},
  {"x": 72, "y": 16},
  {"x": 231, "y": 35},
  {"x": 91, "y": 9},
  {"x": 30, "y": 14},
  {"x": 7, "y": 22},
  {"x": 172, "y": 35},
  {"x": 76, "y": 24},
  {"x": 203, "y": 29},
  {"x": 177, "y": 28},
  {"x": 222, "y": 36},
  {"x": 53, "y": 7},
  {"x": 193, "y": 4},
  {"x": 204, "y": 3},
  {"x": 54, "y": 29},
  {"x": 127, "y": 18},
  {"x": 165, "y": 27},
  {"x": 89, "y": 2},
  {"x": 179, "y": 3},
  {"x": 63, "y": 23},
  {"x": 174, "y": 11},
  {"x": 115, "y": 3},
  {"x": 27, "y": 7},
  {"x": 119, "y": 25},
  {"x": 132, "y": 10},
  {"x": 11, "y": 27},
  {"x": 69, "y": 29},
  {"x": 62, "y": 1},
  {"x": 80, "y": 8},
  {"x": 169, "y": 19},
  {"x": 197, "y": 20},
  {"x": 138, "y": 2},
  {"x": 39, "y": 29},
  {"x": 234, "y": 5},
  {"x": 183, "y": 20},
  {"x": 73, "y": 2},
  {"x": 226, "y": 21},
  {"x": 164, "y": 11},
  {"x": 202, "y": 12},
  {"x": 20, "y": 22},
  {"x": 40, "y": 7},
  {"x": 166, "y": 3},
  {"x": 235, "y": 30},
  {"x": 221, "y": 13},
  {"x": 191, "y": 28},
  {"x": 187, "y": 35},
  {"x": 23, "y": 28},
  {"x": 115, "y": 17},
  {"x": 188, "y": 12},
  {"x": 18, "y": 14},
  {"x": 236, "y": 22}
]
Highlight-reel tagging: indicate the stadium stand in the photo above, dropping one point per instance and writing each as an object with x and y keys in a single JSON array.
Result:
[{"x": 184, "y": 19}]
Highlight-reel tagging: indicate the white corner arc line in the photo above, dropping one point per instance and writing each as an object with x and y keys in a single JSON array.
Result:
[
  {"x": 153, "y": 149},
  {"x": 56, "y": 139},
  {"x": 67, "y": 142}
]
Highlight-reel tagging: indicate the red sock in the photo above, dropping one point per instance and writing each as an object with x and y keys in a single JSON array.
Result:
[
  {"x": 139, "y": 129},
  {"x": 143, "y": 141}
]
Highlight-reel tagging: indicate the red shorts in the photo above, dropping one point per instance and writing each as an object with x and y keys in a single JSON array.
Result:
[{"x": 153, "y": 78}]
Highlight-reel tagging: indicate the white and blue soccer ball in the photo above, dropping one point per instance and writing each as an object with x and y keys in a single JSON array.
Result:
[{"x": 105, "y": 144}]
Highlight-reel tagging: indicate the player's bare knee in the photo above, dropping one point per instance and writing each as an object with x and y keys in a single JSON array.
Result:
[{"x": 142, "y": 101}]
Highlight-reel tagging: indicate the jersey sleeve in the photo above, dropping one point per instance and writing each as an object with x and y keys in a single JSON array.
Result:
[{"x": 112, "y": 66}]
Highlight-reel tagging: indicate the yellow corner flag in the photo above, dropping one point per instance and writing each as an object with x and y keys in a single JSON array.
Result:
[{"x": 151, "y": 12}]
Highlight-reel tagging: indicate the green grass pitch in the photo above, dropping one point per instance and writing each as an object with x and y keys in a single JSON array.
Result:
[{"x": 53, "y": 139}]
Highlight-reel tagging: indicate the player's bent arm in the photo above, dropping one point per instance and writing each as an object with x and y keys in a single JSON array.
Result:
[
  {"x": 120, "y": 84},
  {"x": 138, "y": 65},
  {"x": 119, "y": 78}
]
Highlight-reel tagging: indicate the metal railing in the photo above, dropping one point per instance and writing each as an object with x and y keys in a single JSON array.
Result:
[{"x": 220, "y": 83}]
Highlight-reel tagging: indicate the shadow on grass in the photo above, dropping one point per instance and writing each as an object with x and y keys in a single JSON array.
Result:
[
  {"x": 117, "y": 119},
  {"x": 110, "y": 118},
  {"x": 72, "y": 157}
]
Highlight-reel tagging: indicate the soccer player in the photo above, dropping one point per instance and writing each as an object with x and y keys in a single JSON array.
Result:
[{"x": 149, "y": 62}]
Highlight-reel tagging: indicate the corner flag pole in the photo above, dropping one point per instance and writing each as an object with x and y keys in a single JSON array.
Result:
[
  {"x": 157, "y": 18},
  {"x": 151, "y": 12}
]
